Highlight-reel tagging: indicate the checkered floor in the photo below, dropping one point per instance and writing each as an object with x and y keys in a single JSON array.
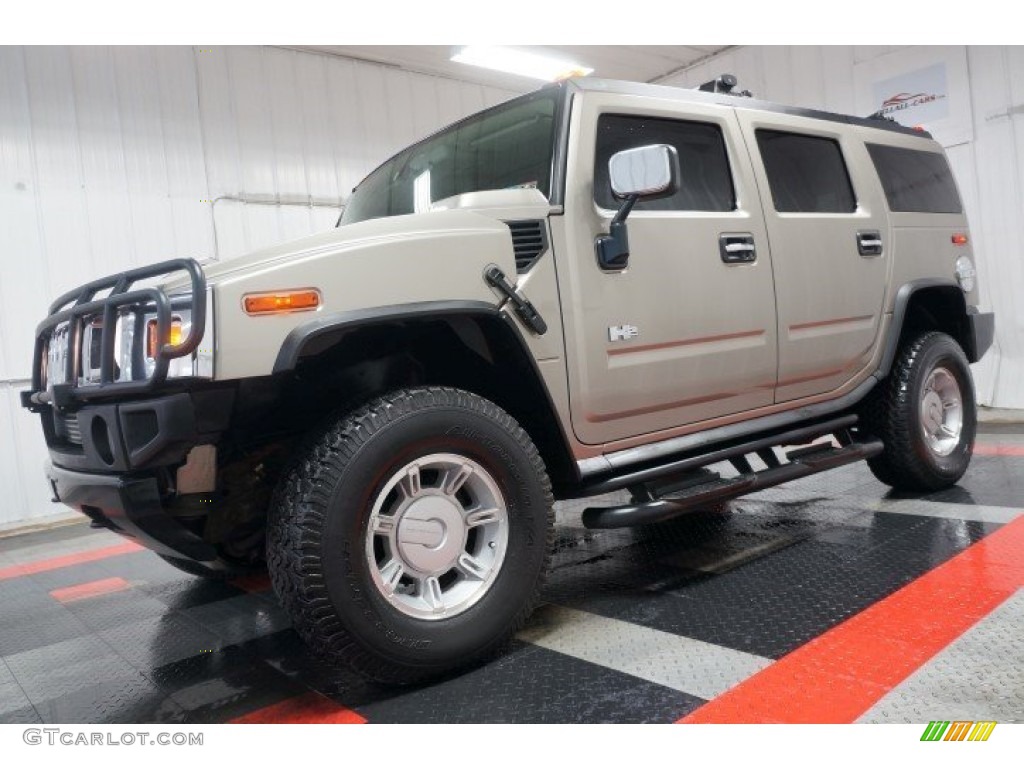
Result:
[{"x": 827, "y": 599}]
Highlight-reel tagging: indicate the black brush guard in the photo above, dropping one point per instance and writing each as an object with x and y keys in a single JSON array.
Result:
[{"x": 84, "y": 304}]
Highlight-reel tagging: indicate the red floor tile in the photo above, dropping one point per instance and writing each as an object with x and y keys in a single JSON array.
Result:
[
  {"x": 39, "y": 566},
  {"x": 307, "y": 708},
  {"x": 90, "y": 589},
  {"x": 839, "y": 675}
]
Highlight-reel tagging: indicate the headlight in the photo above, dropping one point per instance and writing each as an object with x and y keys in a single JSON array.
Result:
[
  {"x": 200, "y": 362},
  {"x": 136, "y": 346},
  {"x": 965, "y": 273}
]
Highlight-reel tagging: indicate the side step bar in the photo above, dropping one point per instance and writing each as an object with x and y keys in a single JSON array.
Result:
[
  {"x": 761, "y": 446},
  {"x": 802, "y": 462}
]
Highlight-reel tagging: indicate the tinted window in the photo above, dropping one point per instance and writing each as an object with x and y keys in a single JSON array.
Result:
[
  {"x": 915, "y": 181},
  {"x": 705, "y": 183},
  {"x": 806, "y": 173},
  {"x": 508, "y": 146}
]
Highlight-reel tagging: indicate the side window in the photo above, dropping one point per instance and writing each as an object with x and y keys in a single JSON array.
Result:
[
  {"x": 705, "y": 179},
  {"x": 807, "y": 174},
  {"x": 915, "y": 181}
]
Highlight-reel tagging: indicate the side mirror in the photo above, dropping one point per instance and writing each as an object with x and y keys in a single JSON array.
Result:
[
  {"x": 646, "y": 173},
  {"x": 643, "y": 173}
]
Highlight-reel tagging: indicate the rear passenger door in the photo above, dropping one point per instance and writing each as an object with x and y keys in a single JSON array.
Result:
[{"x": 827, "y": 228}]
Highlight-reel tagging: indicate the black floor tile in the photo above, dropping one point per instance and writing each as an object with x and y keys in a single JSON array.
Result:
[
  {"x": 128, "y": 697},
  {"x": 160, "y": 640},
  {"x": 45, "y": 624},
  {"x": 180, "y": 595},
  {"x": 239, "y": 619},
  {"x": 112, "y": 610},
  {"x": 219, "y": 686},
  {"x": 54, "y": 670},
  {"x": 22, "y": 716},
  {"x": 532, "y": 685}
]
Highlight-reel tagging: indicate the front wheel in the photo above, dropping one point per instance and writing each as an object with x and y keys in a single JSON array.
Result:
[
  {"x": 925, "y": 415},
  {"x": 412, "y": 539}
]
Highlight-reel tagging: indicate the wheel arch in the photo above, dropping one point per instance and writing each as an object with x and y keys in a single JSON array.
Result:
[
  {"x": 471, "y": 345},
  {"x": 930, "y": 304}
]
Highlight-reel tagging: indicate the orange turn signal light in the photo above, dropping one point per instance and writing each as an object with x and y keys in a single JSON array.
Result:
[
  {"x": 959, "y": 239},
  {"x": 153, "y": 343},
  {"x": 285, "y": 301}
]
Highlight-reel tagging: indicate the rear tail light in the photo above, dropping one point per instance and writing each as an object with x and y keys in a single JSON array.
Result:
[{"x": 959, "y": 239}]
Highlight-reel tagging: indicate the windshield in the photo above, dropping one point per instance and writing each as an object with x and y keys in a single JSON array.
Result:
[{"x": 509, "y": 146}]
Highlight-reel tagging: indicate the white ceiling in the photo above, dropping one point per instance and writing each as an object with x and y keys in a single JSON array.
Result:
[{"x": 643, "y": 63}]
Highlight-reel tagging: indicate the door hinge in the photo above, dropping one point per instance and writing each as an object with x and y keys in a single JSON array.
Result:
[{"x": 526, "y": 311}]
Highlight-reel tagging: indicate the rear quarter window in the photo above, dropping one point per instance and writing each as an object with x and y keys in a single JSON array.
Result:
[{"x": 915, "y": 181}]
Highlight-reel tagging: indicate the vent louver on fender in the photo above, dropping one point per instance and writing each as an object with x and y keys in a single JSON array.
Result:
[{"x": 529, "y": 241}]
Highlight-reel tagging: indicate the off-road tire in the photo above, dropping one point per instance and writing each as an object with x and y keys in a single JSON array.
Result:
[
  {"x": 318, "y": 520},
  {"x": 892, "y": 413}
]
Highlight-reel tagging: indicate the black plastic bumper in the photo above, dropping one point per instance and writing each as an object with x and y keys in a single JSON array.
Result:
[
  {"x": 124, "y": 436},
  {"x": 130, "y": 506},
  {"x": 982, "y": 332}
]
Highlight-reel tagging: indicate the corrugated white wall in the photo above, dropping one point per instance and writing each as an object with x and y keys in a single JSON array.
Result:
[
  {"x": 989, "y": 169},
  {"x": 114, "y": 157}
]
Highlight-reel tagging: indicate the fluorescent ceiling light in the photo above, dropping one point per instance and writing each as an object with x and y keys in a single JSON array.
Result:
[{"x": 517, "y": 62}]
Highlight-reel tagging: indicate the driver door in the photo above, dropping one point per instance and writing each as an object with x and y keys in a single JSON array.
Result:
[{"x": 685, "y": 334}]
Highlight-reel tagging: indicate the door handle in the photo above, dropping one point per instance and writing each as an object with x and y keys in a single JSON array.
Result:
[
  {"x": 869, "y": 243},
  {"x": 737, "y": 248}
]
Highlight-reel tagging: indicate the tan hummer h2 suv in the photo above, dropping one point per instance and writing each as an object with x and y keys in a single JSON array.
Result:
[{"x": 598, "y": 286}]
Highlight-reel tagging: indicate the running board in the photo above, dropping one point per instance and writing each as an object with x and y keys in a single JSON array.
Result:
[
  {"x": 761, "y": 447},
  {"x": 802, "y": 462}
]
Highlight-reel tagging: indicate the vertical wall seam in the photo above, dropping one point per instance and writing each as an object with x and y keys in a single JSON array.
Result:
[{"x": 204, "y": 151}]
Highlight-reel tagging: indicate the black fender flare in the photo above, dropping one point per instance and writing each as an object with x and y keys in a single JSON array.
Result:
[
  {"x": 321, "y": 329},
  {"x": 976, "y": 328}
]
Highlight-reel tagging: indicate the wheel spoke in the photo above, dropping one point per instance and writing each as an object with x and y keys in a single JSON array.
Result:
[
  {"x": 391, "y": 574},
  {"x": 472, "y": 567},
  {"x": 383, "y": 525},
  {"x": 455, "y": 478},
  {"x": 481, "y": 516},
  {"x": 432, "y": 594},
  {"x": 410, "y": 483}
]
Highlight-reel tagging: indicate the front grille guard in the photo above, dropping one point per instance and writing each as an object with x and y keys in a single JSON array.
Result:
[{"x": 77, "y": 305}]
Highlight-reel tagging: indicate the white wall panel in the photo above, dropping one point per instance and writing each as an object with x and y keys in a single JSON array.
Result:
[
  {"x": 989, "y": 169},
  {"x": 113, "y": 157},
  {"x": 24, "y": 283}
]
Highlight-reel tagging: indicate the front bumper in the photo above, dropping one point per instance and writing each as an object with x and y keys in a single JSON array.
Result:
[
  {"x": 981, "y": 332},
  {"x": 118, "y": 465},
  {"x": 132, "y": 507}
]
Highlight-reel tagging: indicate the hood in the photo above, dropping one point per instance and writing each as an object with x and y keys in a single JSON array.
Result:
[{"x": 475, "y": 212}]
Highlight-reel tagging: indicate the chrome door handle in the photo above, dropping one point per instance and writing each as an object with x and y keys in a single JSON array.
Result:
[
  {"x": 869, "y": 243},
  {"x": 737, "y": 248}
]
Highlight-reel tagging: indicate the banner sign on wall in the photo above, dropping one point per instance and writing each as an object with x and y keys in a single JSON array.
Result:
[
  {"x": 917, "y": 97},
  {"x": 924, "y": 86}
]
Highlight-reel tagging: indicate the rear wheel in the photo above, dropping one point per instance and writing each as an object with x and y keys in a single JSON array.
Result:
[
  {"x": 412, "y": 539},
  {"x": 926, "y": 416}
]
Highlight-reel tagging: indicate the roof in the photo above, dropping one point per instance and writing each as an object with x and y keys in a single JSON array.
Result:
[{"x": 696, "y": 96}]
